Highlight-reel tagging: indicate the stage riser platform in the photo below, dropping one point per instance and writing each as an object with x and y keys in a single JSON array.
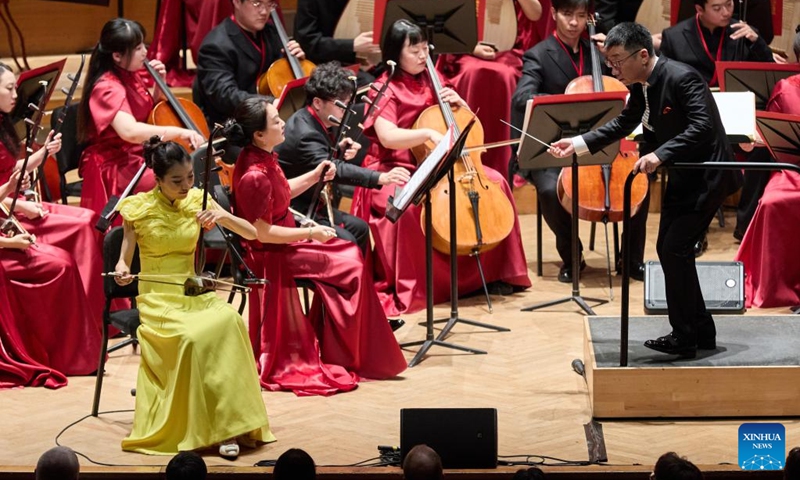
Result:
[{"x": 713, "y": 385}]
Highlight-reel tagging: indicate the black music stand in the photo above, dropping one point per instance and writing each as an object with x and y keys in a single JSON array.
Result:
[
  {"x": 453, "y": 27},
  {"x": 551, "y": 118},
  {"x": 29, "y": 90},
  {"x": 757, "y": 77},
  {"x": 431, "y": 171},
  {"x": 293, "y": 98},
  {"x": 781, "y": 134}
]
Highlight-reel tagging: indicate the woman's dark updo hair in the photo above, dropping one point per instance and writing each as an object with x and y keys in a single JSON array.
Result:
[
  {"x": 8, "y": 134},
  {"x": 119, "y": 35},
  {"x": 161, "y": 156},
  {"x": 249, "y": 117},
  {"x": 396, "y": 37}
]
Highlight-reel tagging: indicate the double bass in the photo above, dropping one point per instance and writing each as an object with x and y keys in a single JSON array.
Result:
[
  {"x": 601, "y": 186},
  {"x": 484, "y": 215}
]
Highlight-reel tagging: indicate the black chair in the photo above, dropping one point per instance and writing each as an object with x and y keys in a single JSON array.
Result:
[
  {"x": 69, "y": 157},
  {"x": 212, "y": 240},
  {"x": 221, "y": 196},
  {"x": 126, "y": 321}
]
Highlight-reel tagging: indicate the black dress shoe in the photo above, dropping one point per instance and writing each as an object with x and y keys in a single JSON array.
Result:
[
  {"x": 565, "y": 274},
  {"x": 701, "y": 246},
  {"x": 670, "y": 345},
  {"x": 707, "y": 344},
  {"x": 500, "y": 288},
  {"x": 637, "y": 270},
  {"x": 396, "y": 323},
  {"x": 738, "y": 235}
]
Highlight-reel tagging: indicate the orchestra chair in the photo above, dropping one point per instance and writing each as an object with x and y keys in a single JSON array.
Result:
[
  {"x": 69, "y": 157},
  {"x": 127, "y": 321}
]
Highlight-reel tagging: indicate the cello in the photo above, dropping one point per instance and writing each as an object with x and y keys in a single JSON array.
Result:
[
  {"x": 283, "y": 70},
  {"x": 484, "y": 215},
  {"x": 600, "y": 186},
  {"x": 174, "y": 111}
]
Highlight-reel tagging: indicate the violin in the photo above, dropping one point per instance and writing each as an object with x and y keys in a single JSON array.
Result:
[
  {"x": 484, "y": 215},
  {"x": 283, "y": 70},
  {"x": 601, "y": 186},
  {"x": 176, "y": 112}
]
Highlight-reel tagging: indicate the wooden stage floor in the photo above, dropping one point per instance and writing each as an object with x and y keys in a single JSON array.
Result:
[{"x": 526, "y": 375}]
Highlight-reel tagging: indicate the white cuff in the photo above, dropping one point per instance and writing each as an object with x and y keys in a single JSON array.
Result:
[{"x": 580, "y": 145}]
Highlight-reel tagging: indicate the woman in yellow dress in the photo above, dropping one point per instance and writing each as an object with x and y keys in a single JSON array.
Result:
[{"x": 197, "y": 385}]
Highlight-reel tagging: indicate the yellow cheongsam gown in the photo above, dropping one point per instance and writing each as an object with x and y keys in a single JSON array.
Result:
[{"x": 197, "y": 383}]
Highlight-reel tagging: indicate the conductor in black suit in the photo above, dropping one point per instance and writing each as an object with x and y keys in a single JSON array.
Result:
[
  {"x": 547, "y": 69},
  {"x": 232, "y": 57},
  {"x": 713, "y": 35},
  {"x": 681, "y": 123},
  {"x": 309, "y": 140}
]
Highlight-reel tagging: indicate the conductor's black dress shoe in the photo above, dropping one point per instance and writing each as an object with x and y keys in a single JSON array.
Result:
[{"x": 670, "y": 344}]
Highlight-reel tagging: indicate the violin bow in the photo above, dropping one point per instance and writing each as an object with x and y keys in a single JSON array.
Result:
[
  {"x": 34, "y": 124},
  {"x": 156, "y": 278}
]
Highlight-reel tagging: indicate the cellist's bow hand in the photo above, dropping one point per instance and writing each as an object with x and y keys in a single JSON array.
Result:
[
  {"x": 646, "y": 164},
  {"x": 562, "y": 148},
  {"x": 192, "y": 137},
  {"x": 122, "y": 274}
]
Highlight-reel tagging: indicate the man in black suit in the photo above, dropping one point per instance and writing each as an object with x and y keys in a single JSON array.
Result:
[
  {"x": 233, "y": 56},
  {"x": 613, "y": 12},
  {"x": 309, "y": 137},
  {"x": 700, "y": 41},
  {"x": 681, "y": 123},
  {"x": 547, "y": 69},
  {"x": 314, "y": 26}
]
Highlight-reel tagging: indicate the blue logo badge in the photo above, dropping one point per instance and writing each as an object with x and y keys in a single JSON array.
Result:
[{"x": 762, "y": 446}]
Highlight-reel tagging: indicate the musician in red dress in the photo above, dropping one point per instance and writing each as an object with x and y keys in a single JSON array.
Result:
[
  {"x": 472, "y": 74},
  {"x": 768, "y": 249},
  {"x": 399, "y": 279},
  {"x": 315, "y": 354},
  {"x": 112, "y": 115}
]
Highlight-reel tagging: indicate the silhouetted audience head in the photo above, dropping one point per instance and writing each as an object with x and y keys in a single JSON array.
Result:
[
  {"x": 672, "y": 467},
  {"x": 791, "y": 470},
  {"x": 58, "y": 463},
  {"x": 533, "y": 473},
  {"x": 294, "y": 464},
  {"x": 186, "y": 466},
  {"x": 422, "y": 463}
]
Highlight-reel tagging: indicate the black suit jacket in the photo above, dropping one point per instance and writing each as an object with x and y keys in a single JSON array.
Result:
[
  {"x": 546, "y": 70},
  {"x": 314, "y": 25},
  {"x": 682, "y": 42},
  {"x": 307, "y": 145},
  {"x": 687, "y": 128},
  {"x": 228, "y": 67}
]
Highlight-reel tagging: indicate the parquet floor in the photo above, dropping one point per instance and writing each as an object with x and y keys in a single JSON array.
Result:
[{"x": 526, "y": 375}]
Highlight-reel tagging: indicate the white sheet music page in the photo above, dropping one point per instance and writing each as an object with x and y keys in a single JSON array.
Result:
[{"x": 409, "y": 191}]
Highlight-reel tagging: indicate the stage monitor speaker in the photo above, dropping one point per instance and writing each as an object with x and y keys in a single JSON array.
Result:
[
  {"x": 722, "y": 284},
  {"x": 463, "y": 437}
]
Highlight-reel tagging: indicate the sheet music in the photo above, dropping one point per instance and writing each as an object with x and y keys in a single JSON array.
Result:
[
  {"x": 738, "y": 113},
  {"x": 408, "y": 192}
]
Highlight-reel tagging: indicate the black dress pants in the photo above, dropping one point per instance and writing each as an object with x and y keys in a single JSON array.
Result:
[
  {"x": 348, "y": 227},
  {"x": 679, "y": 230}
]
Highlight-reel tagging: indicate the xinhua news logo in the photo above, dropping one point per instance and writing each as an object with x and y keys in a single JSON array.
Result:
[{"x": 762, "y": 446}]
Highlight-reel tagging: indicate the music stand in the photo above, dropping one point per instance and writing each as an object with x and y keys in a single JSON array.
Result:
[
  {"x": 781, "y": 135},
  {"x": 757, "y": 77},
  {"x": 30, "y": 91},
  {"x": 452, "y": 26},
  {"x": 551, "y": 118},
  {"x": 438, "y": 164},
  {"x": 293, "y": 98}
]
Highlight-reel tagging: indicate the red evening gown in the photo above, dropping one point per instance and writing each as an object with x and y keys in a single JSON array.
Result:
[
  {"x": 488, "y": 85},
  {"x": 17, "y": 368},
  {"x": 768, "y": 249},
  {"x": 109, "y": 163},
  {"x": 70, "y": 229},
  {"x": 399, "y": 276},
  {"x": 55, "y": 326},
  {"x": 309, "y": 355}
]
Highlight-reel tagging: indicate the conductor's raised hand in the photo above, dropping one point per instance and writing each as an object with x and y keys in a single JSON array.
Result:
[{"x": 562, "y": 148}]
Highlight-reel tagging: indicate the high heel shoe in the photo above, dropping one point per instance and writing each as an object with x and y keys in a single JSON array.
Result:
[{"x": 229, "y": 449}]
